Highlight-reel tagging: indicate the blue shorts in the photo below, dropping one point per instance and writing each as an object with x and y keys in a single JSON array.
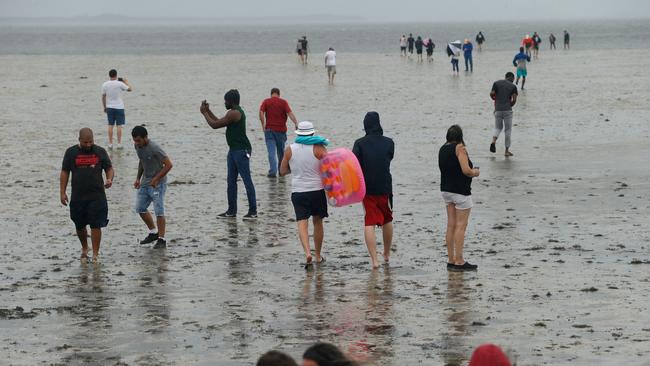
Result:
[
  {"x": 115, "y": 116},
  {"x": 522, "y": 73},
  {"x": 148, "y": 194}
]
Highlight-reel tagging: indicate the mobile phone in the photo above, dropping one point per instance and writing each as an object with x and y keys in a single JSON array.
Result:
[{"x": 120, "y": 79}]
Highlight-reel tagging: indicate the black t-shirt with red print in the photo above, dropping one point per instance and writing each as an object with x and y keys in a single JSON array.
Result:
[{"x": 86, "y": 168}]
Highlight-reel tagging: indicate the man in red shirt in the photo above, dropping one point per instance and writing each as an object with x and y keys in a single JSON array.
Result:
[{"x": 273, "y": 115}]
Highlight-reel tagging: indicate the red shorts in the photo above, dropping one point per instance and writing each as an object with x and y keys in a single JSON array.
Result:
[{"x": 379, "y": 209}]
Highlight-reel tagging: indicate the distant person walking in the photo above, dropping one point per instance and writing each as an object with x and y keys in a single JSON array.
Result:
[
  {"x": 527, "y": 42},
  {"x": 419, "y": 44},
  {"x": 114, "y": 105},
  {"x": 456, "y": 173},
  {"x": 480, "y": 39},
  {"x": 304, "y": 49},
  {"x": 504, "y": 93},
  {"x": 537, "y": 40},
  {"x": 88, "y": 205},
  {"x": 567, "y": 40},
  {"x": 454, "y": 61},
  {"x": 375, "y": 153},
  {"x": 402, "y": 45},
  {"x": 551, "y": 41},
  {"x": 467, "y": 54},
  {"x": 151, "y": 183},
  {"x": 302, "y": 160},
  {"x": 239, "y": 153},
  {"x": 330, "y": 64},
  {"x": 430, "y": 47},
  {"x": 520, "y": 61},
  {"x": 411, "y": 43},
  {"x": 273, "y": 116}
]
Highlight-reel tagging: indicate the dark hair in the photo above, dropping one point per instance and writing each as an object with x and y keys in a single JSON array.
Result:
[
  {"x": 139, "y": 131},
  {"x": 455, "y": 134},
  {"x": 521, "y": 49},
  {"x": 509, "y": 75},
  {"x": 324, "y": 354},
  {"x": 232, "y": 96},
  {"x": 112, "y": 73},
  {"x": 275, "y": 91},
  {"x": 276, "y": 358}
]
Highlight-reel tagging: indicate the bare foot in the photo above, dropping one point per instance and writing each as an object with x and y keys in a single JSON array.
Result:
[
  {"x": 308, "y": 263},
  {"x": 95, "y": 259},
  {"x": 84, "y": 258},
  {"x": 386, "y": 258}
]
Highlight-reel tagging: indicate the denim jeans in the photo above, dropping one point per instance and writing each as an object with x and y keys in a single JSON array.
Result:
[
  {"x": 147, "y": 195},
  {"x": 468, "y": 62},
  {"x": 239, "y": 164},
  {"x": 275, "y": 142}
]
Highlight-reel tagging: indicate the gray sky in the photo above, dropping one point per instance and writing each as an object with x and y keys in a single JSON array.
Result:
[{"x": 378, "y": 10}]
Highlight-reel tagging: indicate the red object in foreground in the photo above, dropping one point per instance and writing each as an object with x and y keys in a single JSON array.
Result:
[{"x": 489, "y": 355}]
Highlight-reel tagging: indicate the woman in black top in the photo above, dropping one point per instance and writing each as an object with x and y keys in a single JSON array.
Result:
[{"x": 456, "y": 173}]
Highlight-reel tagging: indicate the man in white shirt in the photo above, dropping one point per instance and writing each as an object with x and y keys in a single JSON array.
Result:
[
  {"x": 330, "y": 64},
  {"x": 114, "y": 106}
]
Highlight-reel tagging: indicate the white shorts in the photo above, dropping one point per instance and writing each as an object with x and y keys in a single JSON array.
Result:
[{"x": 461, "y": 202}]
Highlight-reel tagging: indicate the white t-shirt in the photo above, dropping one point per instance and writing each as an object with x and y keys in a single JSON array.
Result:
[
  {"x": 113, "y": 90},
  {"x": 330, "y": 58}
]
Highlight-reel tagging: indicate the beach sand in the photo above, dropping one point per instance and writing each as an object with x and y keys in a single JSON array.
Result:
[{"x": 559, "y": 231}]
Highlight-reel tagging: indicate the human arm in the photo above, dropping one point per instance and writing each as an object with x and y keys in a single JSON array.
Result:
[
  {"x": 284, "y": 164},
  {"x": 293, "y": 119},
  {"x": 128, "y": 86},
  {"x": 136, "y": 184},
  {"x": 213, "y": 121},
  {"x": 167, "y": 166},
  {"x": 104, "y": 102},
  {"x": 513, "y": 98},
  {"x": 110, "y": 173},
  {"x": 262, "y": 120},
  {"x": 514, "y": 61},
  {"x": 319, "y": 151},
  {"x": 493, "y": 92},
  {"x": 63, "y": 179},
  {"x": 463, "y": 159}
]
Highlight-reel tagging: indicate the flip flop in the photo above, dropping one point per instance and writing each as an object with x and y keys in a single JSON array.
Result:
[
  {"x": 322, "y": 260},
  {"x": 309, "y": 263}
]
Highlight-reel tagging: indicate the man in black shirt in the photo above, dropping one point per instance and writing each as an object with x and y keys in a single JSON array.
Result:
[
  {"x": 88, "y": 206},
  {"x": 411, "y": 43}
]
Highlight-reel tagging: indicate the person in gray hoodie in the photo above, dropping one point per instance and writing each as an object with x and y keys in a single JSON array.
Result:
[{"x": 375, "y": 153}]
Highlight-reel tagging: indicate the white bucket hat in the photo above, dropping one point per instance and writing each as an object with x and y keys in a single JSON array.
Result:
[{"x": 305, "y": 128}]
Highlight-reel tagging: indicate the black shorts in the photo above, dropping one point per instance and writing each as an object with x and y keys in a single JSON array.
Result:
[
  {"x": 307, "y": 204},
  {"x": 89, "y": 213}
]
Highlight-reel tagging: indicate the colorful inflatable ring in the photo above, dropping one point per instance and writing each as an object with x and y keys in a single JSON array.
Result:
[{"x": 342, "y": 178}]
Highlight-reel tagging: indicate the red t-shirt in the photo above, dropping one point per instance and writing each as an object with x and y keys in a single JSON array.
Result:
[{"x": 276, "y": 110}]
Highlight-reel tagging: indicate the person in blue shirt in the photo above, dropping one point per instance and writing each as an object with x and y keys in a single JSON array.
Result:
[
  {"x": 467, "y": 53},
  {"x": 519, "y": 62}
]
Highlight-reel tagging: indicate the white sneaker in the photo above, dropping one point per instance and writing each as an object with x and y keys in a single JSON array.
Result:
[
  {"x": 110, "y": 146},
  {"x": 119, "y": 146}
]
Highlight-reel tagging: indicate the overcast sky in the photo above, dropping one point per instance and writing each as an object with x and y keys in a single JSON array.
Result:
[{"x": 377, "y": 10}]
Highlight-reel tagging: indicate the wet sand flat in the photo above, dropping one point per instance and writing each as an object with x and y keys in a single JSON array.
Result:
[{"x": 559, "y": 231}]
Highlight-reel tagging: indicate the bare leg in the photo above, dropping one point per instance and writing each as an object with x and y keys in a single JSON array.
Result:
[
  {"x": 83, "y": 239},
  {"x": 303, "y": 234},
  {"x": 451, "y": 229},
  {"x": 371, "y": 243},
  {"x": 148, "y": 220},
  {"x": 319, "y": 233},
  {"x": 523, "y": 81},
  {"x": 110, "y": 134},
  {"x": 119, "y": 134},
  {"x": 161, "y": 222},
  {"x": 387, "y": 232},
  {"x": 462, "y": 216},
  {"x": 96, "y": 238}
]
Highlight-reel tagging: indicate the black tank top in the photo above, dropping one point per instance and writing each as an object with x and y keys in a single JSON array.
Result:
[{"x": 452, "y": 178}]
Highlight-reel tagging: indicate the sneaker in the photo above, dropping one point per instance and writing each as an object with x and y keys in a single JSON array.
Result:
[
  {"x": 119, "y": 146},
  {"x": 226, "y": 215},
  {"x": 250, "y": 216},
  {"x": 110, "y": 146},
  {"x": 466, "y": 267},
  {"x": 493, "y": 148},
  {"x": 270, "y": 175},
  {"x": 150, "y": 238},
  {"x": 160, "y": 243}
]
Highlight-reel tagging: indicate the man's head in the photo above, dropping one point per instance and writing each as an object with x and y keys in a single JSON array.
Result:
[
  {"x": 331, "y": 48},
  {"x": 510, "y": 76},
  {"x": 112, "y": 74},
  {"x": 276, "y": 358},
  {"x": 275, "y": 92},
  {"x": 231, "y": 98},
  {"x": 86, "y": 139},
  {"x": 521, "y": 49},
  {"x": 140, "y": 136}
]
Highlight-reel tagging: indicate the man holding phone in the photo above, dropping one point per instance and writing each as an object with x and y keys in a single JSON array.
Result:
[{"x": 114, "y": 106}]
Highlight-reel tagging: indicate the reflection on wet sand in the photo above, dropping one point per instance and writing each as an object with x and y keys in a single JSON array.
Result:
[
  {"x": 92, "y": 341},
  {"x": 457, "y": 306}
]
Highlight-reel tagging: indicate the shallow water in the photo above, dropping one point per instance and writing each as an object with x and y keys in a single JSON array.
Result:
[{"x": 559, "y": 231}]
